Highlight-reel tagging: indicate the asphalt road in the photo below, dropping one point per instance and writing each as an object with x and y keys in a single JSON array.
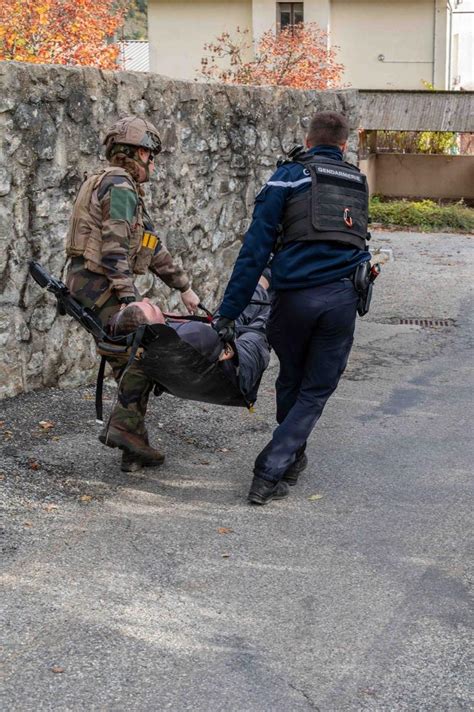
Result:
[{"x": 165, "y": 590}]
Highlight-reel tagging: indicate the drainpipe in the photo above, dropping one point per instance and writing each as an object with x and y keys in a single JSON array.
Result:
[
  {"x": 450, "y": 43},
  {"x": 446, "y": 42},
  {"x": 434, "y": 45}
]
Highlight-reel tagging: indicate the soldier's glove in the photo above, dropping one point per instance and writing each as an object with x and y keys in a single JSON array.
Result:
[
  {"x": 225, "y": 328},
  {"x": 127, "y": 300}
]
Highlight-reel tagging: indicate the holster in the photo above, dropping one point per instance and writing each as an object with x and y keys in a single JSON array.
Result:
[
  {"x": 364, "y": 287},
  {"x": 363, "y": 305}
]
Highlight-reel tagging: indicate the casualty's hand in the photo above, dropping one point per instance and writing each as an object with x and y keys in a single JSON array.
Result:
[
  {"x": 190, "y": 300},
  {"x": 227, "y": 353},
  {"x": 225, "y": 328}
]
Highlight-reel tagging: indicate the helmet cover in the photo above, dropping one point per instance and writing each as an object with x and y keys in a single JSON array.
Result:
[{"x": 132, "y": 131}]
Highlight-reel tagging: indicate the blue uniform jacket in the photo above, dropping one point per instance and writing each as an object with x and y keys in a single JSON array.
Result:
[{"x": 298, "y": 265}]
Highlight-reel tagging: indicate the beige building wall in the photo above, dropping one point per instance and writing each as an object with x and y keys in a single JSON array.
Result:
[
  {"x": 178, "y": 30},
  {"x": 384, "y": 44},
  {"x": 399, "y": 31},
  {"x": 405, "y": 175}
]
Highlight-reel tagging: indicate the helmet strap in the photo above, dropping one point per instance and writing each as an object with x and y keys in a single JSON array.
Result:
[
  {"x": 132, "y": 153},
  {"x": 144, "y": 164}
]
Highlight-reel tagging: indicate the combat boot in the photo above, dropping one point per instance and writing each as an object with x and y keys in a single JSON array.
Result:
[
  {"x": 263, "y": 491},
  {"x": 132, "y": 463},
  {"x": 293, "y": 472},
  {"x": 133, "y": 445}
]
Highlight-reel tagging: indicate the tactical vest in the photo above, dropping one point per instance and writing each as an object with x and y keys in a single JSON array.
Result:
[
  {"x": 335, "y": 209},
  {"x": 84, "y": 237}
]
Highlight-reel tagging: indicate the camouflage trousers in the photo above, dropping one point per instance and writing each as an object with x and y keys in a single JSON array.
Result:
[{"x": 134, "y": 387}]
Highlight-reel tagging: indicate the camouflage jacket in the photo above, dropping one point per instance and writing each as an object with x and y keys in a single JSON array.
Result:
[{"x": 112, "y": 231}]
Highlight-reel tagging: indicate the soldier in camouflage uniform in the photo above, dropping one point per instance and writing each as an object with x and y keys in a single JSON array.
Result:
[{"x": 111, "y": 239}]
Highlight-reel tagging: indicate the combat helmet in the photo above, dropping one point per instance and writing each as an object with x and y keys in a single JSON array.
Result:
[{"x": 131, "y": 131}]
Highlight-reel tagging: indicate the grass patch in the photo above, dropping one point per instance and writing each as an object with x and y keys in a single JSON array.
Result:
[{"x": 425, "y": 215}]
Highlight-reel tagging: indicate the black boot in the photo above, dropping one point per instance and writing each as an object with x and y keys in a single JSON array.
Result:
[
  {"x": 263, "y": 491},
  {"x": 293, "y": 472}
]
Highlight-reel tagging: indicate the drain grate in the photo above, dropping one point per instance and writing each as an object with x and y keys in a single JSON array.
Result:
[{"x": 428, "y": 322}]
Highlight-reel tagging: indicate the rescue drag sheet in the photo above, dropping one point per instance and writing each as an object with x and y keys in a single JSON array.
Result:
[{"x": 165, "y": 590}]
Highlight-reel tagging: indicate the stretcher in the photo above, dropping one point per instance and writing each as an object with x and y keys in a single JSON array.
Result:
[{"x": 173, "y": 365}]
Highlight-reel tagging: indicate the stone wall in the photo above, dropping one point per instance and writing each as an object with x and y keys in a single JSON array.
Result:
[{"x": 220, "y": 145}]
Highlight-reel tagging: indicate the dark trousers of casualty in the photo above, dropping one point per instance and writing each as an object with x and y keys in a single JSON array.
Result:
[{"x": 311, "y": 331}]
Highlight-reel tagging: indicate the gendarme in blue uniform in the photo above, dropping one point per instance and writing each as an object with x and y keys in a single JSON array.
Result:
[
  {"x": 314, "y": 308},
  {"x": 298, "y": 265}
]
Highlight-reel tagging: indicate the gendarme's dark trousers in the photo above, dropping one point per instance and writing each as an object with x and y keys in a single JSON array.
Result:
[{"x": 311, "y": 331}]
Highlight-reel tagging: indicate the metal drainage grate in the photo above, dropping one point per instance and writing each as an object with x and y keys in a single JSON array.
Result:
[{"x": 427, "y": 322}]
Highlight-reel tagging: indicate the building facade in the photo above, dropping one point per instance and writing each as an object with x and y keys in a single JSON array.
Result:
[
  {"x": 462, "y": 65},
  {"x": 383, "y": 44}
]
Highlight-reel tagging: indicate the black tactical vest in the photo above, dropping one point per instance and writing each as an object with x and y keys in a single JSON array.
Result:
[{"x": 335, "y": 209}]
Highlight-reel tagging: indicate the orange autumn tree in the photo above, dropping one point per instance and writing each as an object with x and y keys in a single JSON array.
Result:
[
  {"x": 298, "y": 56},
  {"x": 60, "y": 31}
]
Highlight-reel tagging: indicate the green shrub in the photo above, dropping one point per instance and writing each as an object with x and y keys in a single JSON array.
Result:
[
  {"x": 426, "y": 215},
  {"x": 444, "y": 142}
]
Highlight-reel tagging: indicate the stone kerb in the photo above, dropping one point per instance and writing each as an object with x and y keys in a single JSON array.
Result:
[{"x": 220, "y": 145}]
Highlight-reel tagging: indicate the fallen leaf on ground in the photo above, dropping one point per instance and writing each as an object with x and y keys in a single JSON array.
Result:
[
  {"x": 88, "y": 396},
  {"x": 204, "y": 462},
  {"x": 33, "y": 464},
  {"x": 57, "y": 668},
  {"x": 2, "y": 476},
  {"x": 46, "y": 424},
  {"x": 50, "y": 507},
  {"x": 7, "y": 434},
  {"x": 225, "y": 530},
  {"x": 223, "y": 449},
  {"x": 27, "y": 524},
  {"x": 2, "y": 423},
  {"x": 314, "y": 497},
  {"x": 225, "y": 556},
  {"x": 369, "y": 691},
  {"x": 85, "y": 498},
  {"x": 55, "y": 437}
]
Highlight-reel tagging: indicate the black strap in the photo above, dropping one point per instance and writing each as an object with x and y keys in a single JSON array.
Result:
[
  {"x": 187, "y": 317},
  {"x": 209, "y": 314},
  {"x": 99, "y": 387}
]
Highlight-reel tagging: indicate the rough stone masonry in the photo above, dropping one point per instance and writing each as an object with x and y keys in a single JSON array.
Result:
[{"x": 220, "y": 145}]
